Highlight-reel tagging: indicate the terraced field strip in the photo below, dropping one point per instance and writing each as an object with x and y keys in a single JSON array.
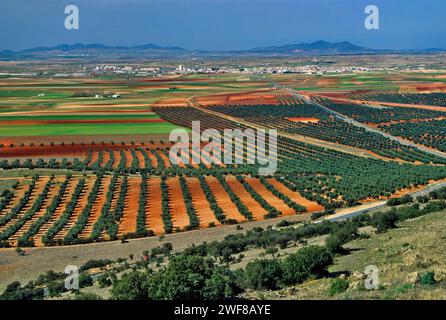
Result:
[
  {"x": 204, "y": 212},
  {"x": 97, "y": 207},
  {"x": 178, "y": 159},
  {"x": 270, "y": 197},
  {"x": 117, "y": 155},
  {"x": 54, "y": 190},
  {"x": 165, "y": 158},
  {"x": 94, "y": 158},
  {"x": 65, "y": 199},
  {"x": 177, "y": 207},
  {"x": 89, "y": 182},
  {"x": 105, "y": 158},
  {"x": 311, "y": 206},
  {"x": 40, "y": 185},
  {"x": 154, "y": 210},
  {"x": 153, "y": 159},
  {"x": 18, "y": 194},
  {"x": 114, "y": 200},
  {"x": 141, "y": 160},
  {"x": 127, "y": 224},
  {"x": 128, "y": 158},
  {"x": 224, "y": 201},
  {"x": 257, "y": 211},
  {"x": 194, "y": 154}
]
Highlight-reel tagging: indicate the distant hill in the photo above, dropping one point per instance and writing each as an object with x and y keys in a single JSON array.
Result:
[
  {"x": 102, "y": 51},
  {"x": 79, "y": 47},
  {"x": 318, "y": 47}
]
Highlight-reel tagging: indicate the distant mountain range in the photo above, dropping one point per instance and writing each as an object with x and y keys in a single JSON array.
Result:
[
  {"x": 95, "y": 49},
  {"x": 318, "y": 47}
]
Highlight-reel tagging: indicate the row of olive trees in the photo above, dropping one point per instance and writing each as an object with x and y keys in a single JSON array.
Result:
[
  {"x": 37, "y": 205},
  {"x": 26, "y": 239},
  {"x": 272, "y": 212},
  {"x": 82, "y": 220},
  {"x": 22, "y": 202},
  {"x": 48, "y": 237}
]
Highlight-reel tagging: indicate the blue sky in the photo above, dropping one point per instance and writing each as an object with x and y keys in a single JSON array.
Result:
[{"x": 223, "y": 24}]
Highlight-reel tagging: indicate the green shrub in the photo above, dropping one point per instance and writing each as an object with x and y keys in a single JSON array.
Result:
[
  {"x": 263, "y": 274},
  {"x": 308, "y": 262},
  {"x": 337, "y": 286},
  {"x": 427, "y": 278}
]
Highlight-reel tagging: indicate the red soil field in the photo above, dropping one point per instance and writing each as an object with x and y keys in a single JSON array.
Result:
[
  {"x": 40, "y": 184},
  {"x": 67, "y": 150},
  {"x": 153, "y": 159},
  {"x": 65, "y": 199},
  {"x": 165, "y": 158},
  {"x": 204, "y": 212},
  {"x": 128, "y": 158},
  {"x": 248, "y": 97},
  {"x": 304, "y": 120},
  {"x": 94, "y": 158},
  {"x": 54, "y": 190},
  {"x": 116, "y": 192},
  {"x": 131, "y": 206},
  {"x": 82, "y": 201},
  {"x": 270, "y": 197},
  {"x": 105, "y": 157},
  {"x": 141, "y": 160},
  {"x": 257, "y": 211},
  {"x": 171, "y": 102},
  {"x": 296, "y": 197},
  {"x": 223, "y": 200},
  {"x": 178, "y": 212},
  {"x": 97, "y": 207},
  {"x": 117, "y": 156},
  {"x": 202, "y": 159},
  {"x": 154, "y": 220},
  {"x": 5, "y": 122}
]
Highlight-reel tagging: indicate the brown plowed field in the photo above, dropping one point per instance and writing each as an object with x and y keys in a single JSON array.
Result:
[
  {"x": 82, "y": 201},
  {"x": 178, "y": 212},
  {"x": 154, "y": 220},
  {"x": 65, "y": 199},
  {"x": 270, "y": 197},
  {"x": 131, "y": 206},
  {"x": 296, "y": 197},
  {"x": 257, "y": 211},
  {"x": 223, "y": 200},
  {"x": 97, "y": 207},
  {"x": 204, "y": 212}
]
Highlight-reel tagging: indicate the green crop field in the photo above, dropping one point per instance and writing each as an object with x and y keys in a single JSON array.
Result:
[{"x": 86, "y": 129}]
